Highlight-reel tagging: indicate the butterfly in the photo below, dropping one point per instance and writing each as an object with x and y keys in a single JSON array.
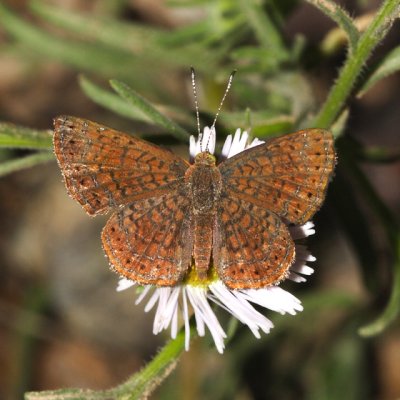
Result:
[{"x": 168, "y": 214}]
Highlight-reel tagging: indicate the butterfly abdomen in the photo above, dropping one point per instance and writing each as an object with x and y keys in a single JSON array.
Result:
[{"x": 203, "y": 240}]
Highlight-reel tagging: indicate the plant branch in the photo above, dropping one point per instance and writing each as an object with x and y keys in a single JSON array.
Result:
[{"x": 351, "y": 70}]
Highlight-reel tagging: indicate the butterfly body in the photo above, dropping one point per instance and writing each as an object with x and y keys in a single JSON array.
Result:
[
  {"x": 204, "y": 183},
  {"x": 167, "y": 212}
]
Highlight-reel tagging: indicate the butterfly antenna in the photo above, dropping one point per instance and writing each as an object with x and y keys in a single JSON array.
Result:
[
  {"x": 196, "y": 102},
  {"x": 228, "y": 86}
]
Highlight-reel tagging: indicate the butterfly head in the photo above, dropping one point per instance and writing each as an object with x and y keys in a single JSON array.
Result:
[{"x": 205, "y": 158}]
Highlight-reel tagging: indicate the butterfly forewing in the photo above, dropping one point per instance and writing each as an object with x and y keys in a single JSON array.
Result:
[
  {"x": 287, "y": 175},
  {"x": 252, "y": 246},
  {"x": 104, "y": 168}
]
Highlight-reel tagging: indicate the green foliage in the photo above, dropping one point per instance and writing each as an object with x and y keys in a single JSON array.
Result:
[{"x": 274, "y": 97}]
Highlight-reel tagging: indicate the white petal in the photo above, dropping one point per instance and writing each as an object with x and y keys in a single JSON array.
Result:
[
  {"x": 192, "y": 146},
  {"x": 240, "y": 308},
  {"x": 274, "y": 298},
  {"x": 185, "y": 313},
  {"x": 213, "y": 139},
  {"x": 205, "y": 315},
  {"x": 239, "y": 143},
  {"x": 254, "y": 143},
  {"x": 302, "y": 231},
  {"x": 153, "y": 300},
  {"x": 205, "y": 142},
  {"x": 166, "y": 307},
  {"x": 303, "y": 255},
  {"x": 226, "y": 147},
  {"x": 143, "y": 294},
  {"x": 162, "y": 309},
  {"x": 124, "y": 284},
  {"x": 198, "y": 144},
  {"x": 300, "y": 267},
  {"x": 295, "y": 277},
  {"x": 303, "y": 269},
  {"x": 174, "y": 321}
]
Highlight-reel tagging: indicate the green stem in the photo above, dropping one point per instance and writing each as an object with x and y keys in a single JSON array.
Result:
[
  {"x": 138, "y": 386},
  {"x": 355, "y": 62}
]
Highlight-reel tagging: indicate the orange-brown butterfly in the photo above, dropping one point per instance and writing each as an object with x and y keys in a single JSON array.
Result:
[{"x": 167, "y": 213}]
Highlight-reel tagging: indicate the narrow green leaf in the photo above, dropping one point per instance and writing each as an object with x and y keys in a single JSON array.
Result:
[
  {"x": 340, "y": 124},
  {"x": 356, "y": 227},
  {"x": 111, "y": 101},
  {"x": 388, "y": 220},
  {"x": 141, "y": 104},
  {"x": 377, "y": 154},
  {"x": 392, "y": 309},
  {"x": 115, "y": 103},
  {"x": 387, "y": 66},
  {"x": 13, "y": 136},
  {"x": 337, "y": 14},
  {"x": 265, "y": 30},
  {"x": 7, "y": 167}
]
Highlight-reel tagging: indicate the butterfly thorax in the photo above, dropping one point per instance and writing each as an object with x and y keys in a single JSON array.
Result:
[{"x": 204, "y": 183}]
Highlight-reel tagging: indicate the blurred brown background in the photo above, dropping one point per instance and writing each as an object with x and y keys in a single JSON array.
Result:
[{"x": 61, "y": 321}]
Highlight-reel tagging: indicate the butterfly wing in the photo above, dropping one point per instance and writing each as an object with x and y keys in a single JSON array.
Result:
[
  {"x": 104, "y": 168},
  {"x": 252, "y": 246},
  {"x": 287, "y": 175},
  {"x": 149, "y": 241}
]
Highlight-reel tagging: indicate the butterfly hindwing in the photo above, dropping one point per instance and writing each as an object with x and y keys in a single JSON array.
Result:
[
  {"x": 252, "y": 246},
  {"x": 150, "y": 240}
]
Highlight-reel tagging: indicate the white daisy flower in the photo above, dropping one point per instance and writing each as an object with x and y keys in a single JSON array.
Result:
[{"x": 187, "y": 299}]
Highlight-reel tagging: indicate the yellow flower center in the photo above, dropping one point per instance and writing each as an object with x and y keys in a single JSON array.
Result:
[{"x": 192, "y": 278}]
